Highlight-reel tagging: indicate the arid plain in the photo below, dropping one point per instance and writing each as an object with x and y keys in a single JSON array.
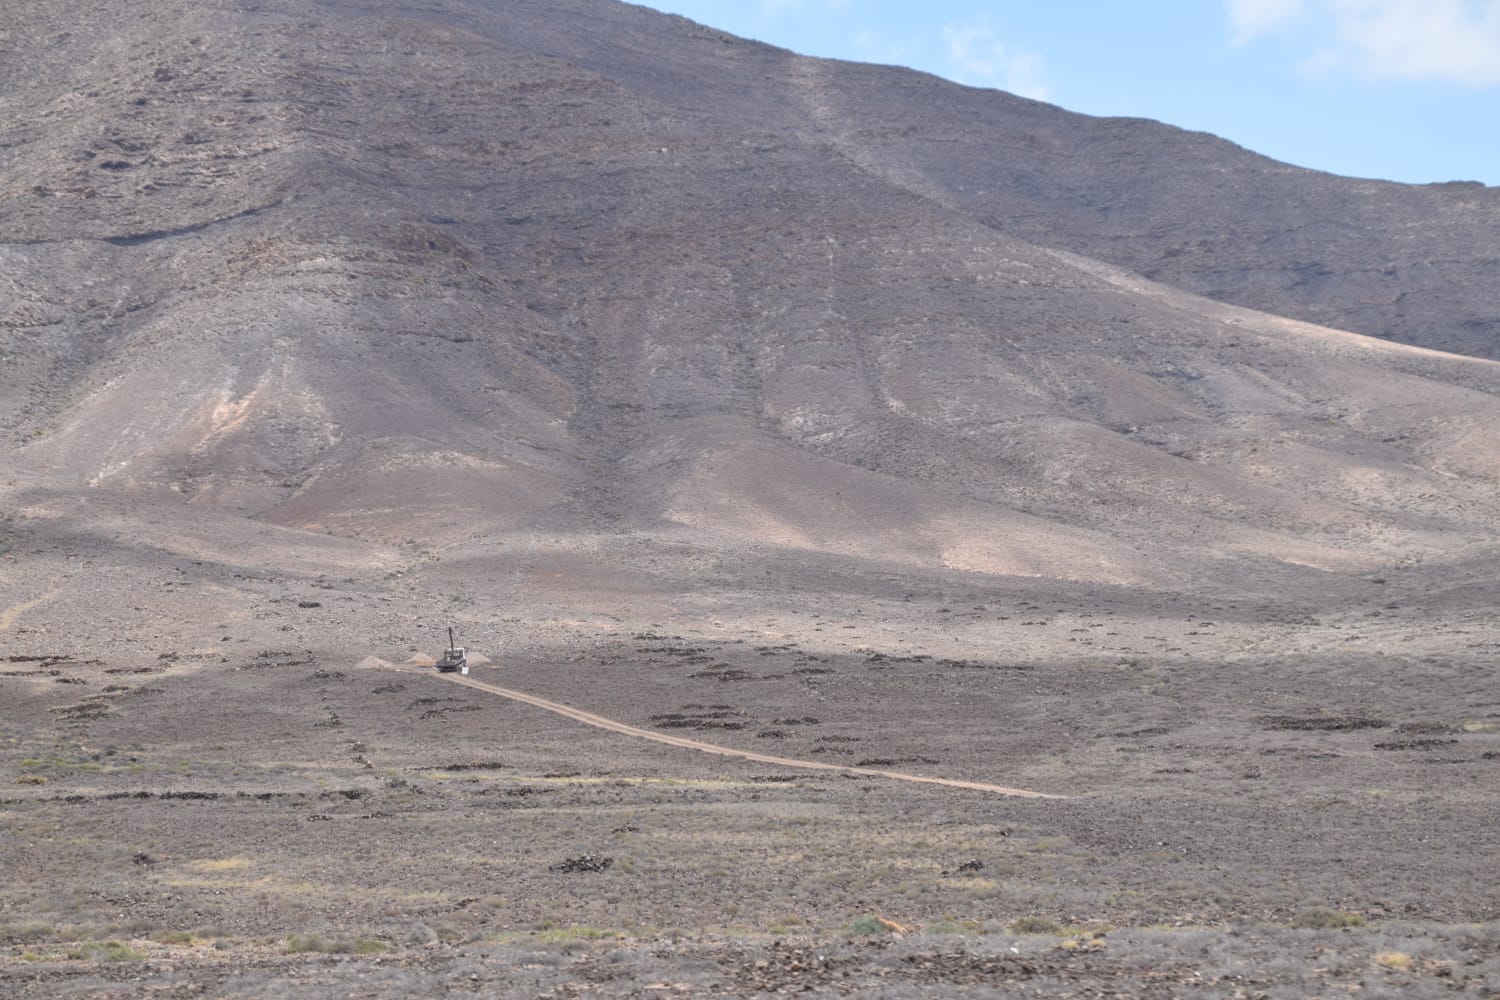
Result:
[{"x": 827, "y": 412}]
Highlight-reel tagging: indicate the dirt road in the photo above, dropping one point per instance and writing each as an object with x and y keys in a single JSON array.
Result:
[
  {"x": 9, "y": 616},
  {"x": 589, "y": 718}
]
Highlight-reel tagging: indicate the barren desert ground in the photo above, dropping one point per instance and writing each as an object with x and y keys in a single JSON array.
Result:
[{"x": 1257, "y": 797}]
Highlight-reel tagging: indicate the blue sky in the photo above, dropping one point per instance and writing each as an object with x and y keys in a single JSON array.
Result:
[{"x": 1406, "y": 90}]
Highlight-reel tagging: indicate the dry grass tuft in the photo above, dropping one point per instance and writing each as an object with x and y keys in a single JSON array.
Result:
[
  {"x": 1035, "y": 925},
  {"x": 234, "y": 864},
  {"x": 1321, "y": 918}
]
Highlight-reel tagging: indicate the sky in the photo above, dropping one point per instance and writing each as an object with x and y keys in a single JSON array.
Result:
[{"x": 1405, "y": 90}]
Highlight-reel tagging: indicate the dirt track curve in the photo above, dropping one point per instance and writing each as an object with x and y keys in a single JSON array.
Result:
[{"x": 589, "y": 718}]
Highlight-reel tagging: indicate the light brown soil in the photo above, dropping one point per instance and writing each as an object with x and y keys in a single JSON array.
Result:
[{"x": 1236, "y": 801}]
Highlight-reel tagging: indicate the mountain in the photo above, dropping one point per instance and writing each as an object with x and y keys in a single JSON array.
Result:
[
  {"x": 460, "y": 269},
  {"x": 1406, "y": 263},
  {"x": 862, "y": 426}
]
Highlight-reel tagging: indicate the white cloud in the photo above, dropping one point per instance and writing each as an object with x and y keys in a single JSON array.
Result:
[
  {"x": 1453, "y": 40},
  {"x": 982, "y": 57},
  {"x": 1457, "y": 40},
  {"x": 1254, "y": 18}
]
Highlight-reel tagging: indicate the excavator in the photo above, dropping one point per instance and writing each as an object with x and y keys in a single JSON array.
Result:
[{"x": 455, "y": 658}]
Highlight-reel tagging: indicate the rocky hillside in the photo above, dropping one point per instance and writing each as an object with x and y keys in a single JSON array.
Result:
[{"x": 572, "y": 268}]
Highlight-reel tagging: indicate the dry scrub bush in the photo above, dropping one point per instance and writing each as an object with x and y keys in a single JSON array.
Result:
[
  {"x": 867, "y": 926},
  {"x": 109, "y": 951},
  {"x": 1321, "y": 918},
  {"x": 1035, "y": 925},
  {"x": 173, "y": 937},
  {"x": 300, "y": 943}
]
